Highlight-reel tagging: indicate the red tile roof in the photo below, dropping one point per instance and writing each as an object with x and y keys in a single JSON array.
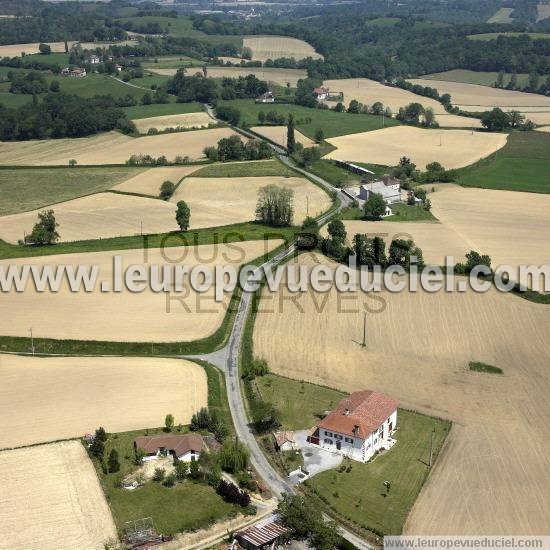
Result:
[
  {"x": 178, "y": 444},
  {"x": 260, "y": 535},
  {"x": 320, "y": 90},
  {"x": 360, "y": 414}
]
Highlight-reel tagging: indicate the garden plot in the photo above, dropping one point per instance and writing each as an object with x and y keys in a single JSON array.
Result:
[
  {"x": 491, "y": 476},
  {"x": 224, "y": 201},
  {"x": 278, "y": 134},
  {"x": 185, "y": 120},
  {"x": 451, "y": 148},
  {"x": 125, "y": 316},
  {"x": 275, "y": 47},
  {"x": 51, "y": 398},
  {"x": 110, "y": 148},
  {"x": 149, "y": 182},
  {"x": 51, "y": 499},
  {"x": 97, "y": 216},
  {"x": 369, "y": 92}
]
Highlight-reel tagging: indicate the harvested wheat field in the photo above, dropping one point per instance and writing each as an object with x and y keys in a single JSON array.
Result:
[
  {"x": 224, "y": 201},
  {"x": 275, "y": 47},
  {"x": 369, "y": 91},
  {"x": 544, "y": 129},
  {"x": 452, "y": 148},
  {"x": 97, "y": 216},
  {"x": 109, "y": 148},
  {"x": 493, "y": 475},
  {"x": 51, "y": 398},
  {"x": 278, "y": 134},
  {"x": 281, "y": 77},
  {"x": 185, "y": 120},
  {"x": 51, "y": 500},
  {"x": 125, "y": 316},
  {"x": 149, "y": 182}
]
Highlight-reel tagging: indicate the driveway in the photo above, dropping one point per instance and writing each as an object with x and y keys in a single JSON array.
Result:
[{"x": 316, "y": 460}]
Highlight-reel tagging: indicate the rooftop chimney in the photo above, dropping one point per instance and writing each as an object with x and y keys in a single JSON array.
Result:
[{"x": 346, "y": 412}]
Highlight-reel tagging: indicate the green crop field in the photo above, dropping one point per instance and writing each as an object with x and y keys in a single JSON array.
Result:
[
  {"x": 28, "y": 188},
  {"x": 150, "y": 80},
  {"x": 161, "y": 109},
  {"x": 483, "y": 78},
  {"x": 360, "y": 495},
  {"x": 494, "y": 35},
  {"x": 95, "y": 84},
  {"x": 61, "y": 59},
  {"x": 14, "y": 100},
  {"x": 382, "y": 22},
  {"x": 519, "y": 166},
  {"x": 309, "y": 120},
  {"x": 244, "y": 169}
]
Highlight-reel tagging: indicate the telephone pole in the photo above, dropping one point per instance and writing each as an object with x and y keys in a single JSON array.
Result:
[
  {"x": 431, "y": 447},
  {"x": 32, "y": 341},
  {"x": 364, "y": 344}
]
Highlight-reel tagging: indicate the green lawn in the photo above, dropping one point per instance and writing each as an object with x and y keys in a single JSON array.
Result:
[
  {"x": 186, "y": 506},
  {"x": 360, "y": 495},
  {"x": 521, "y": 165},
  {"x": 95, "y": 84},
  {"x": 309, "y": 120},
  {"x": 301, "y": 404},
  {"x": 27, "y": 189},
  {"x": 13, "y": 101},
  {"x": 244, "y": 169},
  {"x": 161, "y": 109},
  {"x": 150, "y": 80},
  {"x": 401, "y": 213},
  {"x": 60, "y": 59}
]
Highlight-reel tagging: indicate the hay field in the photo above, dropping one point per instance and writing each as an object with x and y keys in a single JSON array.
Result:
[
  {"x": 273, "y": 75},
  {"x": 278, "y": 135},
  {"x": 125, "y": 316},
  {"x": 543, "y": 12},
  {"x": 543, "y": 129},
  {"x": 274, "y": 47},
  {"x": 502, "y": 15},
  {"x": 452, "y": 148},
  {"x": 493, "y": 476},
  {"x": 186, "y": 120},
  {"x": 369, "y": 91},
  {"x": 51, "y": 499},
  {"x": 109, "y": 148},
  {"x": 224, "y": 201},
  {"x": 149, "y": 182},
  {"x": 97, "y": 216},
  {"x": 50, "y": 398}
]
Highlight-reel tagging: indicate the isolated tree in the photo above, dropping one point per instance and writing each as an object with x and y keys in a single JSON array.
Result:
[
  {"x": 66, "y": 47},
  {"x": 233, "y": 456},
  {"x": 113, "y": 463},
  {"x": 183, "y": 215},
  {"x": 194, "y": 470},
  {"x": 354, "y": 106},
  {"x": 181, "y": 469},
  {"x": 169, "y": 422},
  {"x": 516, "y": 119},
  {"x": 101, "y": 434},
  {"x": 377, "y": 108},
  {"x": 290, "y": 138},
  {"x": 513, "y": 84},
  {"x": 159, "y": 474},
  {"x": 97, "y": 448},
  {"x": 319, "y": 135},
  {"x": 500, "y": 80},
  {"x": 429, "y": 118},
  {"x": 534, "y": 80},
  {"x": 44, "y": 49},
  {"x": 72, "y": 163},
  {"x": 167, "y": 190},
  {"x": 375, "y": 206},
  {"x": 275, "y": 205},
  {"x": 45, "y": 230},
  {"x": 337, "y": 230}
]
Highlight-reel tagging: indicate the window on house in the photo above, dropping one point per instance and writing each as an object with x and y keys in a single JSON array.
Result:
[
  {"x": 337, "y": 436},
  {"x": 349, "y": 440},
  {"x": 328, "y": 441},
  {"x": 328, "y": 433}
]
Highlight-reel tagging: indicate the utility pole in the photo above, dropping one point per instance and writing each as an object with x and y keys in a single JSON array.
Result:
[
  {"x": 32, "y": 341},
  {"x": 364, "y": 344},
  {"x": 431, "y": 447},
  {"x": 307, "y": 205}
]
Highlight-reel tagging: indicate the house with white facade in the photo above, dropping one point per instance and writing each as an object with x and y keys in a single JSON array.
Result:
[
  {"x": 268, "y": 97},
  {"x": 362, "y": 424},
  {"x": 321, "y": 93},
  {"x": 387, "y": 186},
  {"x": 186, "y": 447}
]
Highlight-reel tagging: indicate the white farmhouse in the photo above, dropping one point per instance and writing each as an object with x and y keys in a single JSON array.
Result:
[
  {"x": 388, "y": 187},
  {"x": 186, "y": 447},
  {"x": 361, "y": 425}
]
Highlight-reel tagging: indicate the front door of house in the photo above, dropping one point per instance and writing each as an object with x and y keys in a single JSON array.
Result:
[{"x": 338, "y": 445}]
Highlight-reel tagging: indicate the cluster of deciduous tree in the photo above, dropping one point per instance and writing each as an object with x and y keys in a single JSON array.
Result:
[
  {"x": 61, "y": 115},
  {"x": 275, "y": 205},
  {"x": 211, "y": 421},
  {"x": 231, "y": 493},
  {"x": 32, "y": 82},
  {"x": 233, "y": 148},
  {"x": 44, "y": 231},
  {"x": 415, "y": 113},
  {"x": 498, "y": 120},
  {"x": 242, "y": 87}
]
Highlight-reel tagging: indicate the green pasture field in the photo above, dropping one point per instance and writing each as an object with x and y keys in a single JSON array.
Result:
[
  {"x": 161, "y": 109},
  {"x": 244, "y": 169}
]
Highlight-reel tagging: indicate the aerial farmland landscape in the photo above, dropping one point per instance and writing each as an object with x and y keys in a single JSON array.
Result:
[{"x": 274, "y": 274}]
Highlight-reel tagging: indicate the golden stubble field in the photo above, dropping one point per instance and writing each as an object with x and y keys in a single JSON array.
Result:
[
  {"x": 473, "y": 97},
  {"x": 97, "y": 216},
  {"x": 278, "y": 134},
  {"x": 125, "y": 316},
  {"x": 452, "y": 148},
  {"x": 185, "y": 120},
  {"x": 110, "y": 148},
  {"x": 223, "y": 201},
  {"x": 50, "y": 398},
  {"x": 51, "y": 499},
  {"x": 275, "y": 47},
  {"x": 369, "y": 91},
  {"x": 494, "y": 473},
  {"x": 149, "y": 182}
]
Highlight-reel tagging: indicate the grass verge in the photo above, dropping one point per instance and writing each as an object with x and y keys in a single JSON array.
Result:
[{"x": 244, "y": 169}]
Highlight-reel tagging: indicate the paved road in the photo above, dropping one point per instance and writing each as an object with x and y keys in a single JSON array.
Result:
[{"x": 227, "y": 358}]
